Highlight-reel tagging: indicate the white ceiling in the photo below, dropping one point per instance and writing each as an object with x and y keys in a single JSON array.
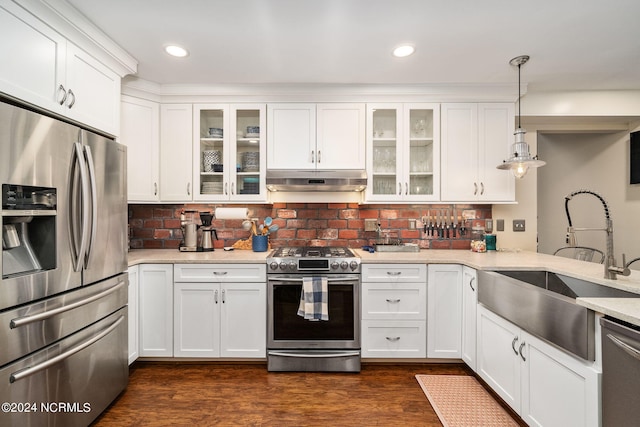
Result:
[{"x": 573, "y": 44}]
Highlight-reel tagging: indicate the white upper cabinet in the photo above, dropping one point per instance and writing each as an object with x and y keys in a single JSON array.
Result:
[
  {"x": 403, "y": 152},
  {"x": 316, "y": 136},
  {"x": 139, "y": 131},
  {"x": 50, "y": 72},
  {"x": 475, "y": 139},
  {"x": 176, "y": 126}
]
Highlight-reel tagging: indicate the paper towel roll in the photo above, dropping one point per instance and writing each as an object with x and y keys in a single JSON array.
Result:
[{"x": 232, "y": 213}]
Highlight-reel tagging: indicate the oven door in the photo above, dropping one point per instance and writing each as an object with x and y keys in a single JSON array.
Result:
[{"x": 287, "y": 330}]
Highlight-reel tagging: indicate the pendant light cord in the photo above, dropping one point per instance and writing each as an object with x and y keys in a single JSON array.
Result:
[{"x": 519, "y": 97}]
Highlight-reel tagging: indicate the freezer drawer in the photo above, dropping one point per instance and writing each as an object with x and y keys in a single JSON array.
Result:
[
  {"x": 28, "y": 328},
  {"x": 620, "y": 373},
  {"x": 68, "y": 383}
]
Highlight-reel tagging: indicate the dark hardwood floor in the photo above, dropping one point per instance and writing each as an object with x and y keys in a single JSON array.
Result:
[{"x": 172, "y": 394}]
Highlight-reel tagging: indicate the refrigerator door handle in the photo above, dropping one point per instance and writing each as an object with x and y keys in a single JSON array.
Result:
[
  {"x": 94, "y": 203},
  {"x": 84, "y": 224}
]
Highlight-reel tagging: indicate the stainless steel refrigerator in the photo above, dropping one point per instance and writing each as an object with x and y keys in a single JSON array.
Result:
[{"x": 63, "y": 292}]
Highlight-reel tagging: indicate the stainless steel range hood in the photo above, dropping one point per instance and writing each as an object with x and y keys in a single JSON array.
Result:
[{"x": 316, "y": 180}]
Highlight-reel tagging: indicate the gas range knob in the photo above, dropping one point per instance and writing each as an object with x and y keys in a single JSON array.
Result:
[
  {"x": 353, "y": 265},
  {"x": 283, "y": 265},
  {"x": 335, "y": 265},
  {"x": 344, "y": 265},
  {"x": 292, "y": 265},
  {"x": 273, "y": 265}
]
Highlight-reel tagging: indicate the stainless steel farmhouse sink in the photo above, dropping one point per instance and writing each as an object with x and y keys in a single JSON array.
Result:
[{"x": 543, "y": 304}]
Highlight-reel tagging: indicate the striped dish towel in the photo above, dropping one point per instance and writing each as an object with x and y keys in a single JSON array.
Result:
[{"x": 314, "y": 299}]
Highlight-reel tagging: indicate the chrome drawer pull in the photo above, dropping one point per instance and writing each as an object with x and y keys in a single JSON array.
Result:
[
  {"x": 220, "y": 273},
  {"x": 394, "y": 273},
  {"x": 21, "y": 321},
  {"x": 393, "y": 301},
  {"x": 393, "y": 339}
]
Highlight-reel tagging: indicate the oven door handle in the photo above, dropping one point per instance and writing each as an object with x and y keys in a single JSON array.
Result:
[
  {"x": 315, "y": 355},
  {"x": 21, "y": 321},
  {"x": 291, "y": 279},
  {"x": 26, "y": 372}
]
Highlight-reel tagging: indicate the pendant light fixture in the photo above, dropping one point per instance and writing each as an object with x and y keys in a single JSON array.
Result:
[{"x": 521, "y": 160}]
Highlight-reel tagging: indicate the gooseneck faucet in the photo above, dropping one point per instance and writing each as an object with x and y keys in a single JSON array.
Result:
[{"x": 611, "y": 270}]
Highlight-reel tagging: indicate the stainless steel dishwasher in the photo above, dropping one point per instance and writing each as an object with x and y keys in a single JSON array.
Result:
[{"x": 620, "y": 373}]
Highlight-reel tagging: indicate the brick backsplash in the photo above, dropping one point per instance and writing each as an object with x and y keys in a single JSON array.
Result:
[{"x": 315, "y": 224}]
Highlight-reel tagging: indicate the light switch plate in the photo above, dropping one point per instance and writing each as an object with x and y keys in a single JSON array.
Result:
[
  {"x": 518, "y": 225},
  {"x": 500, "y": 224}
]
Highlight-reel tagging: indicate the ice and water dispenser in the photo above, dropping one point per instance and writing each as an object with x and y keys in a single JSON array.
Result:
[{"x": 28, "y": 229}]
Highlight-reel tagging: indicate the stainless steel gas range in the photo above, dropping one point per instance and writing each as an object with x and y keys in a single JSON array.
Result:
[{"x": 328, "y": 338}]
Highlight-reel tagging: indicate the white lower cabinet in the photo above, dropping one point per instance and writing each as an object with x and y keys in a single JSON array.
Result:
[
  {"x": 220, "y": 310},
  {"x": 394, "y": 310},
  {"x": 444, "y": 311},
  {"x": 543, "y": 384},
  {"x": 133, "y": 313},
  {"x": 156, "y": 310},
  {"x": 469, "y": 313}
]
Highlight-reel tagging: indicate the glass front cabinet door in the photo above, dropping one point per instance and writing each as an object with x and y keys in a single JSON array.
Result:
[
  {"x": 230, "y": 160},
  {"x": 403, "y": 155}
]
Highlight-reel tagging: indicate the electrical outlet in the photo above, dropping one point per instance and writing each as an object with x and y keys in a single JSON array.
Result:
[
  {"x": 518, "y": 225},
  {"x": 370, "y": 224},
  {"x": 500, "y": 224}
]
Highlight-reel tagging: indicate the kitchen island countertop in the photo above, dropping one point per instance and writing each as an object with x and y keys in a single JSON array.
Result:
[{"x": 627, "y": 309}]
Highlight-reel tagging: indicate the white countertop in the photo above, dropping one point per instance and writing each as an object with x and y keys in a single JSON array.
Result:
[{"x": 627, "y": 309}]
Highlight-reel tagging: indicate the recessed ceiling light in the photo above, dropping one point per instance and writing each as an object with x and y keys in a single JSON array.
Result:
[
  {"x": 176, "y": 51},
  {"x": 404, "y": 50}
]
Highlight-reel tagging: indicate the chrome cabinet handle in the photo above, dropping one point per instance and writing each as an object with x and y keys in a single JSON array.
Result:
[
  {"x": 520, "y": 351},
  {"x": 481, "y": 188},
  {"x": 223, "y": 296},
  {"x": 399, "y": 189},
  {"x": 471, "y": 284},
  {"x": 94, "y": 204},
  {"x": 319, "y": 156},
  {"x": 313, "y": 156},
  {"x": 393, "y": 301},
  {"x": 155, "y": 188},
  {"x": 394, "y": 273},
  {"x": 16, "y": 376},
  {"x": 21, "y": 321},
  {"x": 233, "y": 188},
  {"x": 634, "y": 352},
  {"x": 475, "y": 188},
  {"x": 188, "y": 188},
  {"x": 406, "y": 188},
  {"x": 62, "y": 90},
  {"x": 73, "y": 100},
  {"x": 220, "y": 273},
  {"x": 393, "y": 339},
  {"x": 225, "y": 188},
  {"x": 513, "y": 345}
]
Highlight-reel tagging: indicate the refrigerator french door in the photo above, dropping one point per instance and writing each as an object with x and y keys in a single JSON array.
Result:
[{"x": 63, "y": 296}]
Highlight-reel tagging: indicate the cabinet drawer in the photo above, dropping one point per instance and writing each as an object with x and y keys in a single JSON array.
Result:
[
  {"x": 394, "y": 273},
  {"x": 394, "y": 338},
  {"x": 401, "y": 301},
  {"x": 218, "y": 273}
]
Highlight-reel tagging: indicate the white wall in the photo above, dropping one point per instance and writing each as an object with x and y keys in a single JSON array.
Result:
[{"x": 596, "y": 162}]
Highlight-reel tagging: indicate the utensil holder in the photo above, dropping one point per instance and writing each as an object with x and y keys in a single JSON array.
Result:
[{"x": 260, "y": 243}]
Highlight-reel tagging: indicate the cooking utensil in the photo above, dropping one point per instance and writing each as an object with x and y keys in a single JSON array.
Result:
[
  {"x": 246, "y": 225},
  {"x": 268, "y": 221}
]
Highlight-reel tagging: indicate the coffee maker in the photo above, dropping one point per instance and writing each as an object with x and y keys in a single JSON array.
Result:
[
  {"x": 207, "y": 232},
  {"x": 189, "y": 231}
]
